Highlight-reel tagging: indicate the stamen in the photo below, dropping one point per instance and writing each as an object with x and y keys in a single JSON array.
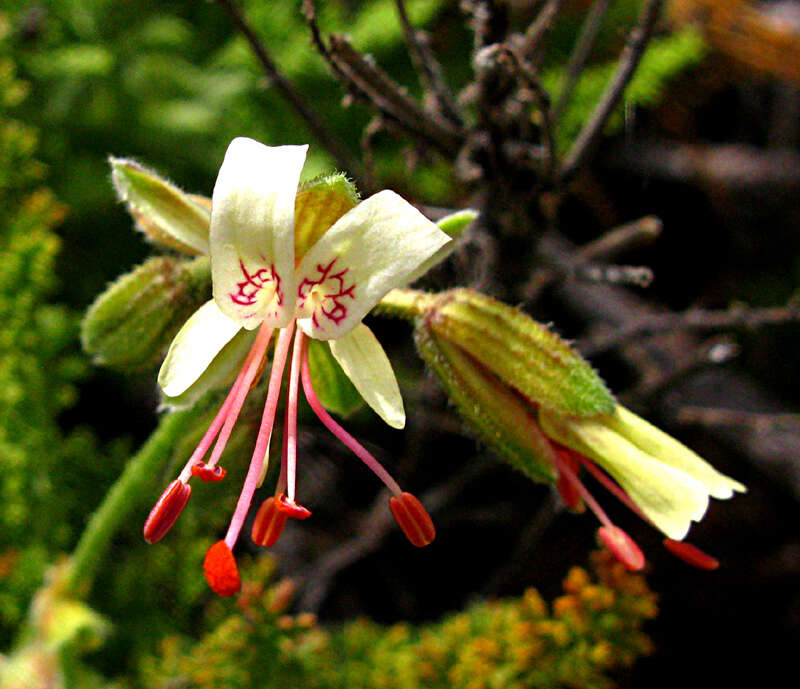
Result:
[
  {"x": 565, "y": 488},
  {"x": 348, "y": 440},
  {"x": 572, "y": 478},
  {"x": 166, "y": 511},
  {"x": 221, "y": 571},
  {"x": 264, "y": 433},
  {"x": 271, "y": 518},
  {"x": 413, "y": 519},
  {"x": 691, "y": 554},
  {"x": 251, "y": 369},
  {"x": 208, "y": 473},
  {"x": 291, "y": 508},
  {"x": 622, "y": 547},
  {"x": 227, "y": 409},
  {"x": 291, "y": 416},
  {"x": 268, "y": 524}
]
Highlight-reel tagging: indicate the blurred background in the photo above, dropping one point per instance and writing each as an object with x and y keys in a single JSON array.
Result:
[{"x": 693, "y": 324}]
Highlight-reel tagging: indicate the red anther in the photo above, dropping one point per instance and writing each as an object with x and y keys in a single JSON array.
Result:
[
  {"x": 691, "y": 554},
  {"x": 622, "y": 547},
  {"x": 291, "y": 509},
  {"x": 207, "y": 473},
  {"x": 268, "y": 524},
  {"x": 166, "y": 511},
  {"x": 221, "y": 571},
  {"x": 413, "y": 519}
]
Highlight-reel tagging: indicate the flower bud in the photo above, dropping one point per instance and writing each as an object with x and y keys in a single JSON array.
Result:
[
  {"x": 499, "y": 367},
  {"x": 164, "y": 213},
  {"x": 131, "y": 324}
]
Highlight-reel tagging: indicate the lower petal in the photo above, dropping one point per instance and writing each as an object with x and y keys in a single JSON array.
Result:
[
  {"x": 200, "y": 339},
  {"x": 363, "y": 360}
]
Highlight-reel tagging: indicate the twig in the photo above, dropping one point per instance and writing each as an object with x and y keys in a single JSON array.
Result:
[
  {"x": 693, "y": 319},
  {"x": 528, "y": 75},
  {"x": 735, "y": 166},
  {"x": 628, "y": 62},
  {"x": 285, "y": 87},
  {"x": 427, "y": 67},
  {"x": 370, "y": 84},
  {"x": 758, "y": 422},
  {"x": 580, "y": 53},
  {"x": 539, "y": 27},
  {"x": 612, "y": 244}
]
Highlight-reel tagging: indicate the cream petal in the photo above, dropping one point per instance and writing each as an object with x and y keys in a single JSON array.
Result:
[
  {"x": 670, "y": 498},
  {"x": 363, "y": 360},
  {"x": 371, "y": 249},
  {"x": 655, "y": 442},
  {"x": 200, "y": 339},
  {"x": 252, "y": 232}
]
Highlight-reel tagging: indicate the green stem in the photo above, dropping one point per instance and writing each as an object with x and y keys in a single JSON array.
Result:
[
  {"x": 405, "y": 303},
  {"x": 121, "y": 500}
]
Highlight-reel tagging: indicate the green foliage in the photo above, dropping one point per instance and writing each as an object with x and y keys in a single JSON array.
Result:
[
  {"x": 593, "y": 628},
  {"x": 665, "y": 59},
  {"x": 39, "y": 366}
]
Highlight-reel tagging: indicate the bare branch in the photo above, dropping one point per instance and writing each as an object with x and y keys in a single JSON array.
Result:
[
  {"x": 693, "y": 319},
  {"x": 537, "y": 30},
  {"x": 287, "y": 90},
  {"x": 580, "y": 53},
  {"x": 609, "y": 246},
  {"x": 628, "y": 62},
  {"x": 428, "y": 68},
  {"x": 370, "y": 84}
]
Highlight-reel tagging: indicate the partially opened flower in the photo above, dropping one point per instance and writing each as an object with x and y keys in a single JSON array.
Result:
[
  {"x": 542, "y": 408},
  {"x": 299, "y": 278}
]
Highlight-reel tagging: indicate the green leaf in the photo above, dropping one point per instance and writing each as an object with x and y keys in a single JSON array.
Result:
[{"x": 331, "y": 384}]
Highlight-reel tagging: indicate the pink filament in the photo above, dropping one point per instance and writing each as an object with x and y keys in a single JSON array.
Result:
[
  {"x": 229, "y": 411},
  {"x": 291, "y": 417},
  {"x": 262, "y": 441},
  {"x": 585, "y": 495},
  {"x": 348, "y": 440}
]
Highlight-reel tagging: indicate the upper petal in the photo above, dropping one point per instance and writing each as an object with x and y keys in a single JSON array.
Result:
[
  {"x": 200, "y": 339},
  {"x": 368, "y": 251},
  {"x": 252, "y": 232},
  {"x": 668, "y": 450},
  {"x": 669, "y": 498},
  {"x": 363, "y": 360}
]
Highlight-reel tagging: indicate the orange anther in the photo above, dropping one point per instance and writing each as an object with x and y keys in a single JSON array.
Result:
[
  {"x": 413, "y": 519},
  {"x": 166, "y": 510},
  {"x": 622, "y": 547},
  {"x": 691, "y": 554},
  {"x": 207, "y": 473},
  {"x": 221, "y": 571},
  {"x": 291, "y": 509},
  {"x": 268, "y": 524}
]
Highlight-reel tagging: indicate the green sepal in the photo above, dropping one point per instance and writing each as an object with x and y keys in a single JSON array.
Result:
[
  {"x": 319, "y": 203},
  {"x": 524, "y": 354},
  {"x": 131, "y": 324},
  {"x": 331, "y": 383},
  {"x": 164, "y": 213},
  {"x": 455, "y": 223},
  {"x": 503, "y": 420}
]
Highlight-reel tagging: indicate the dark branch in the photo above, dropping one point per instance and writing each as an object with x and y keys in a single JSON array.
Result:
[
  {"x": 428, "y": 68},
  {"x": 695, "y": 320},
  {"x": 287, "y": 90},
  {"x": 628, "y": 62},
  {"x": 580, "y": 53}
]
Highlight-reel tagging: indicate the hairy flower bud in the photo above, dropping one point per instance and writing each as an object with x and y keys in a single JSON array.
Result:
[{"x": 131, "y": 324}]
